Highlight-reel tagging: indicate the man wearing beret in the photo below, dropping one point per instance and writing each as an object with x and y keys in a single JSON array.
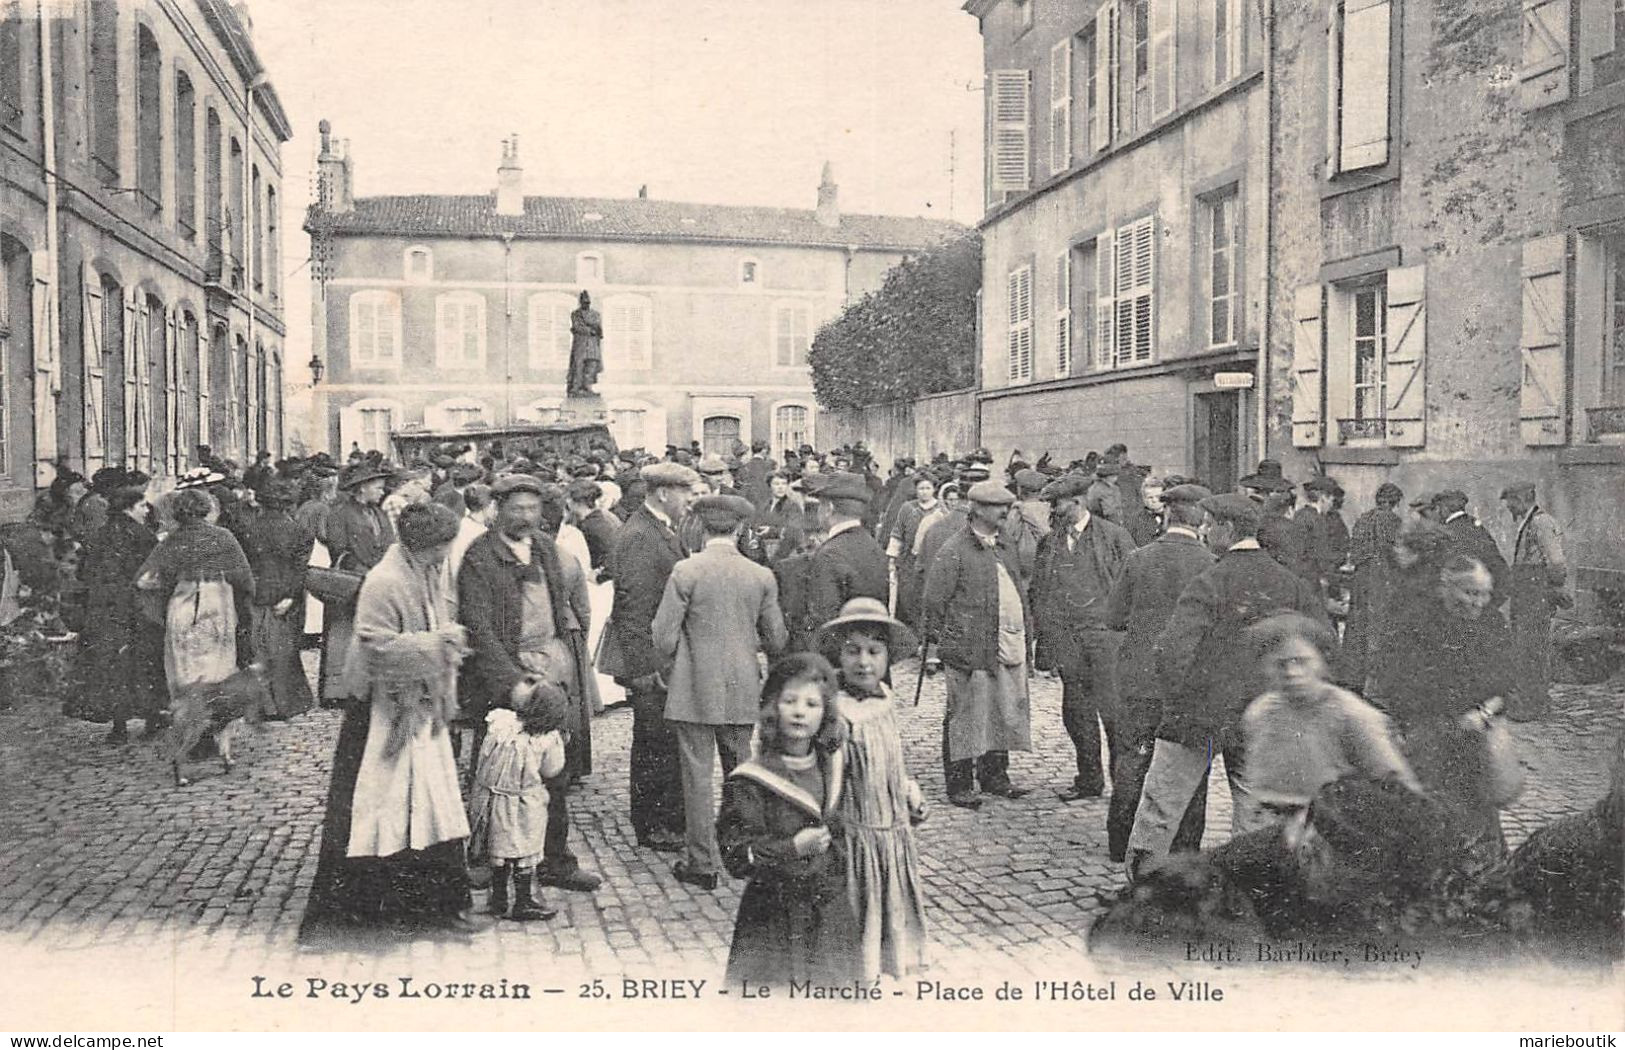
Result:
[
  {"x": 646, "y": 549},
  {"x": 1152, "y": 580},
  {"x": 1208, "y": 673},
  {"x": 1539, "y": 574},
  {"x": 527, "y": 612},
  {"x": 849, "y": 563},
  {"x": 974, "y": 609},
  {"x": 1077, "y": 565},
  {"x": 718, "y": 612}
]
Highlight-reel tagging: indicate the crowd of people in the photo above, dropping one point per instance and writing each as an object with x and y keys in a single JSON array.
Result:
[{"x": 499, "y": 598}]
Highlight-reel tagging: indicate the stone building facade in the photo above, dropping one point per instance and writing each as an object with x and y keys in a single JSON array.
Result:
[
  {"x": 1448, "y": 256},
  {"x": 1123, "y": 238},
  {"x": 448, "y": 311},
  {"x": 140, "y": 174}
]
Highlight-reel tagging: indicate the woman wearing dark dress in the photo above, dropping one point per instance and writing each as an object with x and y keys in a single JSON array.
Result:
[
  {"x": 123, "y": 654},
  {"x": 278, "y": 550},
  {"x": 357, "y": 534}
]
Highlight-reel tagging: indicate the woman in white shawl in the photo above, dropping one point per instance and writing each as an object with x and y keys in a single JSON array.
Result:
[{"x": 392, "y": 843}]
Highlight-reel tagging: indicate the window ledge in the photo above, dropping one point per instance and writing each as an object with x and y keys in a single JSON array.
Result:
[
  {"x": 1355, "y": 181},
  {"x": 1359, "y": 457},
  {"x": 1597, "y": 100}
]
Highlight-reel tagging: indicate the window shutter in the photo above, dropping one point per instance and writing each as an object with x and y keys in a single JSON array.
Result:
[
  {"x": 1135, "y": 307},
  {"x": 1105, "y": 304},
  {"x": 1596, "y": 37},
  {"x": 1164, "y": 19},
  {"x": 174, "y": 414},
  {"x": 132, "y": 332},
  {"x": 252, "y": 438},
  {"x": 1105, "y": 79},
  {"x": 1011, "y": 120},
  {"x": 1363, "y": 109},
  {"x": 1543, "y": 346},
  {"x": 1405, "y": 376},
  {"x": 141, "y": 451},
  {"x": 1334, "y": 86},
  {"x": 95, "y": 372},
  {"x": 1544, "y": 75},
  {"x": 233, "y": 405},
  {"x": 1308, "y": 373},
  {"x": 1021, "y": 327},
  {"x": 204, "y": 423},
  {"x": 1060, "y": 106},
  {"x": 1063, "y": 313},
  {"x": 47, "y": 368}
]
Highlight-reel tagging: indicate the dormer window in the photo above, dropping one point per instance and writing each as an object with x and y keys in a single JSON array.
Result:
[
  {"x": 419, "y": 264},
  {"x": 590, "y": 268},
  {"x": 750, "y": 273}
]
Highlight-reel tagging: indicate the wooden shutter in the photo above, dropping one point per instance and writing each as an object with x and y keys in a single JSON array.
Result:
[
  {"x": 1364, "y": 85},
  {"x": 1405, "y": 374},
  {"x": 94, "y": 332},
  {"x": 1011, "y": 120},
  {"x": 253, "y": 440},
  {"x": 1334, "y": 87},
  {"x": 1164, "y": 20},
  {"x": 138, "y": 417},
  {"x": 233, "y": 406},
  {"x": 1021, "y": 327},
  {"x": 1596, "y": 38},
  {"x": 1543, "y": 347},
  {"x": 1543, "y": 77},
  {"x": 1308, "y": 370},
  {"x": 1063, "y": 313},
  {"x": 132, "y": 372},
  {"x": 47, "y": 367},
  {"x": 1105, "y": 301},
  {"x": 1105, "y": 75},
  {"x": 205, "y": 391},
  {"x": 1060, "y": 106},
  {"x": 1136, "y": 307}
]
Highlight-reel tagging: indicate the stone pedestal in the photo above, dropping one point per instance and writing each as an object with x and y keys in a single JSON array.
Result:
[{"x": 584, "y": 409}]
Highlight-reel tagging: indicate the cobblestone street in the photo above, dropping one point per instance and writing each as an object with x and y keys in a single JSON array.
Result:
[{"x": 99, "y": 851}]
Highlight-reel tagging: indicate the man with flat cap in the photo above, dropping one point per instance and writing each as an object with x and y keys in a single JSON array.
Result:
[
  {"x": 849, "y": 563},
  {"x": 527, "y": 613},
  {"x": 1318, "y": 544},
  {"x": 646, "y": 549},
  {"x": 1470, "y": 537},
  {"x": 1208, "y": 673},
  {"x": 974, "y": 609},
  {"x": 1076, "y": 566},
  {"x": 720, "y": 610},
  {"x": 1153, "y": 578},
  {"x": 1539, "y": 575}
]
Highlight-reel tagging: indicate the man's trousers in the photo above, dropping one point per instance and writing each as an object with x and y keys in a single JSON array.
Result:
[
  {"x": 657, "y": 785},
  {"x": 1136, "y": 738},
  {"x": 1089, "y": 701},
  {"x": 1171, "y": 783},
  {"x": 698, "y": 747}
]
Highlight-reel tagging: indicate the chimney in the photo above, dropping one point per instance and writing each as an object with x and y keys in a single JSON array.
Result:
[
  {"x": 333, "y": 173},
  {"x": 643, "y": 192},
  {"x": 829, "y": 212},
  {"x": 510, "y": 180}
]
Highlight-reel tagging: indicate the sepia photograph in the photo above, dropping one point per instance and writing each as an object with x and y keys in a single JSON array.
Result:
[{"x": 833, "y": 515}]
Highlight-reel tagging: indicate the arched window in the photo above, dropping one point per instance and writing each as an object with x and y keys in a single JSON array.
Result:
[
  {"x": 367, "y": 424},
  {"x": 375, "y": 329},
  {"x": 542, "y": 410},
  {"x": 637, "y": 424},
  {"x": 549, "y": 319},
  {"x": 185, "y": 157},
  {"x": 419, "y": 263},
  {"x": 188, "y": 410},
  {"x": 792, "y": 425},
  {"x": 628, "y": 332},
  {"x": 273, "y": 255},
  {"x": 214, "y": 170},
  {"x": 234, "y": 213},
  {"x": 792, "y": 334},
  {"x": 103, "y": 68},
  {"x": 257, "y": 239},
  {"x": 460, "y": 330},
  {"x": 149, "y": 121},
  {"x": 590, "y": 268},
  {"x": 457, "y": 413}
]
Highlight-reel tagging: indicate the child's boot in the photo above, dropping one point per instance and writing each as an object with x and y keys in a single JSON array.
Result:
[
  {"x": 499, "y": 890},
  {"x": 525, "y": 907}
]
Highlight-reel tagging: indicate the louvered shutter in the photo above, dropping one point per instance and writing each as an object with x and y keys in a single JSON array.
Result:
[
  {"x": 1308, "y": 373},
  {"x": 1063, "y": 314},
  {"x": 1405, "y": 372},
  {"x": 1164, "y": 19},
  {"x": 47, "y": 367},
  {"x": 1135, "y": 306},
  {"x": 94, "y": 330},
  {"x": 1011, "y": 120},
  {"x": 1021, "y": 327},
  {"x": 1060, "y": 106},
  {"x": 1105, "y": 76},
  {"x": 1543, "y": 346},
  {"x": 1543, "y": 77},
  {"x": 1105, "y": 301},
  {"x": 1334, "y": 87}
]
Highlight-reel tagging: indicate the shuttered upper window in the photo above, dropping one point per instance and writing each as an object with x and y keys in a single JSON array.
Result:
[
  {"x": 792, "y": 334},
  {"x": 628, "y": 332},
  {"x": 460, "y": 330},
  {"x": 1133, "y": 292},
  {"x": 375, "y": 330},
  {"x": 550, "y": 330},
  {"x": 1020, "y": 331},
  {"x": 1063, "y": 313},
  {"x": 1009, "y": 120},
  {"x": 1357, "y": 92},
  {"x": 1060, "y": 106}
]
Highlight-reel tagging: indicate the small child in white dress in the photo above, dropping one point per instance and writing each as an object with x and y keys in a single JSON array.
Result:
[{"x": 508, "y": 806}]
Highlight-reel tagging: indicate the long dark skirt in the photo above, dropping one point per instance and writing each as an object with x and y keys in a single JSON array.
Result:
[
  {"x": 364, "y": 891},
  {"x": 275, "y": 642},
  {"x": 793, "y": 930}
]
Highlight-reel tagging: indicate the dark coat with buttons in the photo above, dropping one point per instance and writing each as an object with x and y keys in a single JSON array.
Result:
[
  {"x": 961, "y": 600},
  {"x": 848, "y": 565},
  {"x": 1153, "y": 578},
  {"x": 645, "y": 552}
]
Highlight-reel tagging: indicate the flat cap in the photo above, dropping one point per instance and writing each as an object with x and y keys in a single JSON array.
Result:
[
  {"x": 844, "y": 485},
  {"x": 1186, "y": 492},
  {"x": 1068, "y": 486},
  {"x": 1230, "y": 506},
  {"x": 723, "y": 512},
  {"x": 1519, "y": 488},
  {"x": 1321, "y": 483},
  {"x": 1450, "y": 498},
  {"x": 712, "y": 464},
  {"x": 1030, "y": 480},
  {"x": 509, "y": 483},
  {"x": 668, "y": 475},
  {"x": 991, "y": 493}
]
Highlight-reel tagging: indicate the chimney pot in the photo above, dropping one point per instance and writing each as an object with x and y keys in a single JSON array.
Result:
[
  {"x": 510, "y": 179},
  {"x": 828, "y": 212}
]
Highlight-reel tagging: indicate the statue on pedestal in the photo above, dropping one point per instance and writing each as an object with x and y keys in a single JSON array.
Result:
[{"x": 586, "y": 349}]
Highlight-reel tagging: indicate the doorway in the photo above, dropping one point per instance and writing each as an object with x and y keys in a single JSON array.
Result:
[
  {"x": 719, "y": 434},
  {"x": 1217, "y": 432}
]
